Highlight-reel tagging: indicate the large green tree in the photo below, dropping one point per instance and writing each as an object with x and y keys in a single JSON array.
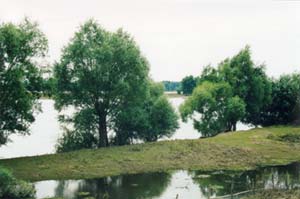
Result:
[
  {"x": 248, "y": 81},
  {"x": 213, "y": 108},
  {"x": 20, "y": 79},
  {"x": 98, "y": 72},
  {"x": 104, "y": 76}
]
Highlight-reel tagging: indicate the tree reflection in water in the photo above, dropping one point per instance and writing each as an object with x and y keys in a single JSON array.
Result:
[
  {"x": 196, "y": 184},
  {"x": 120, "y": 187},
  {"x": 223, "y": 183}
]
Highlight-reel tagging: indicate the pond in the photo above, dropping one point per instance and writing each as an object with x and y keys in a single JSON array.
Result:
[
  {"x": 46, "y": 130},
  {"x": 176, "y": 184}
]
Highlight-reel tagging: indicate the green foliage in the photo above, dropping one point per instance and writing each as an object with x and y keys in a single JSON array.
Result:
[
  {"x": 162, "y": 118},
  {"x": 100, "y": 71},
  {"x": 48, "y": 87},
  {"x": 213, "y": 108},
  {"x": 268, "y": 102},
  {"x": 20, "y": 79},
  {"x": 10, "y": 187},
  {"x": 188, "y": 84},
  {"x": 285, "y": 106},
  {"x": 154, "y": 118},
  {"x": 171, "y": 86},
  {"x": 210, "y": 74},
  {"x": 249, "y": 82},
  {"x": 105, "y": 77}
]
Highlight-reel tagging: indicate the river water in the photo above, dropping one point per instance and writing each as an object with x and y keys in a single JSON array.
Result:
[
  {"x": 176, "y": 184},
  {"x": 46, "y": 130},
  {"x": 181, "y": 184}
]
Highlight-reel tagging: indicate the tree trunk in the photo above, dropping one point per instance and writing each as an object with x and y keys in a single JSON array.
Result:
[
  {"x": 234, "y": 127},
  {"x": 103, "y": 142}
]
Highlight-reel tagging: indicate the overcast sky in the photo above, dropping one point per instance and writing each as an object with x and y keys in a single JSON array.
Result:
[{"x": 178, "y": 37}]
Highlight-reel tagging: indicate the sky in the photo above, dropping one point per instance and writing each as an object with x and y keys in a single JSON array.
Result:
[{"x": 178, "y": 37}]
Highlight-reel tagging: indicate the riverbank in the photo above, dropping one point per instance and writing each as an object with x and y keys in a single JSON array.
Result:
[
  {"x": 234, "y": 151},
  {"x": 276, "y": 194},
  {"x": 174, "y": 95}
]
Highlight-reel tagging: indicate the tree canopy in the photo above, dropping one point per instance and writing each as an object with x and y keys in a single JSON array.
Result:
[
  {"x": 213, "y": 108},
  {"x": 153, "y": 119},
  {"x": 171, "y": 86},
  {"x": 285, "y": 106},
  {"x": 188, "y": 84},
  {"x": 100, "y": 74},
  {"x": 248, "y": 81},
  {"x": 248, "y": 92},
  {"x": 20, "y": 79}
]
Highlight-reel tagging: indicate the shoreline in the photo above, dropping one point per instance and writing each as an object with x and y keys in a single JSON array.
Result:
[{"x": 242, "y": 150}]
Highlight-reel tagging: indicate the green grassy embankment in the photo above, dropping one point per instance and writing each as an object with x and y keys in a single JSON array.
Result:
[
  {"x": 234, "y": 151},
  {"x": 275, "y": 194}
]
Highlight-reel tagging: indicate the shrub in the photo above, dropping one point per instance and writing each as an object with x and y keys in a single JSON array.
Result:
[{"x": 12, "y": 188}]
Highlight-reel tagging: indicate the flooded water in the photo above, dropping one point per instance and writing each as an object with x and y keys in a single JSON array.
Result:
[
  {"x": 45, "y": 131},
  {"x": 177, "y": 184}
]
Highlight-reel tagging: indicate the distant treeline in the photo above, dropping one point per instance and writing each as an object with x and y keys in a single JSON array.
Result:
[{"x": 172, "y": 86}]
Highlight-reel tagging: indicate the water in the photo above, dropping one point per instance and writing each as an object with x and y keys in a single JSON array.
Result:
[
  {"x": 44, "y": 133},
  {"x": 46, "y": 130},
  {"x": 180, "y": 184}
]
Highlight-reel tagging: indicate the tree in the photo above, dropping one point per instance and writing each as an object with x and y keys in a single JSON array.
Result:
[
  {"x": 213, "y": 108},
  {"x": 171, "y": 86},
  {"x": 210, "y": 74},
  {"x": 188, "y": 84},
  {"x": 105, "y": 77},
  {"x": 153, "y": 119},
  {"x": 98, "y": 72},
  {"x": 48, "y": 82},
  {"x": 249, "y": 82},
  {"x": 285, "y": 106},
  {"x": 20, "y": 79}
]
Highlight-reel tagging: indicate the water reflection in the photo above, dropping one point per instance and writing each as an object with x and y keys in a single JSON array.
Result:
[
  {"x": 121, "y": 187},
  {"x": 229, "y": 183},
  {"x": 180, "y": 184}
]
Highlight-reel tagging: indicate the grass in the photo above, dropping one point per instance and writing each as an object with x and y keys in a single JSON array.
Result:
[
  {"x": 174, "y": 95},
  {"x": 232, "y": 151},
  {"x": 275, "y": 194}
]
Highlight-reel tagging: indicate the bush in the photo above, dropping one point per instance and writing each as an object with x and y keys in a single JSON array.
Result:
[
  {"x": 75, "y": 140},
  {"x": 12, "y": 188}
]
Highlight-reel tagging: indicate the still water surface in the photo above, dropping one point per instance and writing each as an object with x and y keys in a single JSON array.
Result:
[
  {"x": 45, "y": 131},
  {"x": 177, "y": 184},
  {"x": 181, "y": 184}
]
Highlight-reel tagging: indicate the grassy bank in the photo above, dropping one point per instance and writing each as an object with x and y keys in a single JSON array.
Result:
[
  {"x": 276, "y": 194},
  {"x": 238, "y": 150},
  {"x": 174, "y": 95}
]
